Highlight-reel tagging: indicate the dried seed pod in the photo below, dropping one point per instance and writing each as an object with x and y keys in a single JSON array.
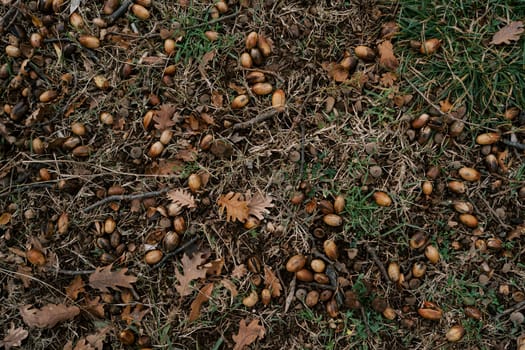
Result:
[
  {"x": 333, "y": 220},
  {"x": 457, "y": 187},
  {"x": 153, "y": 256},
  {"x": 140, "y": 11},
  {"x": 326, "y": 207},
  {"x": 295, "y": 263},
  {"x": 389, "y": 313},
  {"x": 127, "y": 337},
  {"x": 473, "y": 312},
  {"x": 455, "y": 333},
  {"x": 35, "y": 257},
  {"x": 339, "y": 204},
  {"x": 171, "y": 241},
  {"x": 330, "y": 249},
  {"x": 393, "y": 271},
  {"x": 89, "y": 41},
  {"x": 266, "y": 296},
  {"x": 169, "y": 46},
  {"x": 427, "y": 188},
  {"x": 240, "y": 101},
  {"x": 463, "y": 207},
  {"x": 318, "y": 265},
  {"x": 251, "y": 40},
  {"x": 420, "y": 121},
  {"x": 256, "y": 56},
  {"x": 469, "y": 174},
  {"x": 278, "y": 100},
  {"x": 78, "y": 129},
  {"x": 488, "y": 138},
  {"x": 419, "y": 269},
  {"x": 251, "y": 299},
  {"x": 304, "y": 275},
  {"x": 264, "y": 46},
  {"x": 332, "y": 309},
  {"x": 211, "y": 35},
  {"x": 48, "y": 96},
  {"x": 109, "y": 225},
  {"x": 365, "y": 53},
  {"x": 430, "y": 46},
  {"x": 432, "y": 254},
  {"x": 468, "y": 220},
  {"x": 221, "y": 6},
  {"x": 382, "y": 199},
  {"x": 156, "y": 149},
  {"x": 312, "y": 298},
  {"x": 255, "y": 77},
  {"x": 194, "y": 183},
  {"x": 246, "y": 60},
  {"x": 430, "y": 311},
  {"x": 81, "y": 151},
  {"x": 262, "y": 88},
  {"x": 456, "y": 128},
  {"x": 492, "y": 163},
  {"x": 37, "y": 145}
]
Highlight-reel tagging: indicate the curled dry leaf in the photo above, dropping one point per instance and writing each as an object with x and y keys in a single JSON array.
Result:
[
  {"x": 258, "y": 205},
  {"x": 75, "y": 287},
  {"x": 49, "y": 315},
  {"x": 272, "y": 282},
  {"x": 248, "y": 334},
  {"x": 239, "y": 271},
  {"x": 230, "y": 286},
  {"x": 511, "y": 32},
  {"x": 190, "y": 272},
  {"x": 387, "y": 59},
  {"x": 235, "y": 205},
  {"x": 14, "y": 337},
  {"x": 182, "y": 198},
  {"x": 103, "y": 278},
  {"x": 203, "y": 297},
  {"x": 164, "y": 117}
]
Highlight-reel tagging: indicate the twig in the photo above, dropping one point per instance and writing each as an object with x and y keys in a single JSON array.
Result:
[
  {"x": 13, "y": 9},
  {"x": 38, "y": 72},
  {"x": 510, "y": 310},
  {"x": 291, "y": 293},
  {"x": 365, "y": 320},
  {"x": 121, "y": 197},
  {"x": 72, "y": 272},
  {"x": 317, "y": 285},
  {"x": 377, "y": 262},
  {"x": 31, "y": 185},
  {"x": 517, "y": 145},
  {"x": 175, "y": 252},
  {"x": 213, "y": 21},
  {"x": 259, "y": 118},
  {"x": 120, "y": 11}
]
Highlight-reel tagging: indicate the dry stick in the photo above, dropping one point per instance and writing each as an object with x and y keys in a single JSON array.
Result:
[
  {"x": 71, "y": 272},
  {"x": 517, "y": 145},
  {"x": 510, "y": 310},
  {"x": 9, "y": 13},
  {"x": 121, "y": 197},
  {"x": 259, "y": 118},
  {"x": 377, "y": 261},
  {"x": 31, "y": 185},
  {"x": 175, "y": 252},
  {"x": 291, "y": 293},
  {"x": 213, "y": 21},
  {"x": 120, "y": 11}
]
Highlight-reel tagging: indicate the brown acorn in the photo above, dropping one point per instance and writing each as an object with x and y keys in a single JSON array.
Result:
[
  {"x": 278, "y": 100},
  {"x": 240, "y": 101},
  {"x": 264, "y": 46},
  {"x": 333, "y": 220},
  {"x": 297, "y": 198},
  {"x": 36, "y": 40},
  {"x": 221, "y": 6},
  {"x": 251, "y": 40},
  {"x": 153, "y": 256},
  {"x": 318, "y": 265},
  {"x": 81, "y": 151},
  {"x": 35, "y": 257},
  {"x": 171, "y": 241},
  {"x": 432, "y": 254},
  {"x": 47, "y": 96},
  {"x": 419, "y": 269},
  {"x": 246, "y": 60},
  {"x": 304, "y": 275},
  {"x": 106, "y": 118},
  {"x": 179, "y": 225},
  {"x": 295, "y": 263},
  {"x": 194, "y": 182},
  {"x": 472, "y": 312},
  {"x": 365, "y": 53},
  {"x": 13, "y": 51},
  {"x": 312, "y": 298},
  {"x": 468, "y": 220},
  {"x": 156, "y": 149},
  {"x": 463, "y": 207},
  {"x": 469, "y": 174},
  {"x": 326, "y": 295},
  {"x": 140, "y": 11},
  {"x": 420, "y": 121},
  {"x": 266, "y": 296},
  {"x": 169, "y": 46},
  {"x": 389, "y": 313},
  {"x": 326, "y": 207},
  {"x": 430, "y": 311},
  {"x": 427, "y": 188},
  {"x": 393, "y": 271},
  {"x": 109, "y": 225},
  {"x": 37, "y": 145},
  {"x": 89, "y": 41},
  {"x": 78, "y": 129},
  {"x": 321, "y": 278},
  {"x": 339, "y": 204},
  {"x": 456, "y": 128},
  {"x": 457, "y": 187},
  {"x": 256, "y": 56},
  {"x": 492, "y": 163},
  {"x": 251, "y": 299},
  {"x": 430, "y": 46},
  {"x": 455, "y": 333},
  {"x": 63, "y": 223},
  {"x": 332, "y": 309},
  {"x": 382, "y": 199},
  {"x": 211, "y": 35},
  {"x": 330, "y": 249},
  {"x": 127, "y": 337},
  {"x": 262, "y": 88},
  {"x": 255, "y": 77},
  {"x": 488, "y": 138}
]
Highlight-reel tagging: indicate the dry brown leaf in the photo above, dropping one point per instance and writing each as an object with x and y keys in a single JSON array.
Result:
[
  {"x": 387, "y": 59},
  {"x": 257, "y": 205},
  {"x": 75, "y": 287},
  {"x": 182, "y": 198},
  {"x": 230, "y": 286},
  {"x": 165, "y": 167},
  {"x": 201, "y": 298},
  {"x": 336, "y": 71},
  {"x": 103, "y": 278},
  {"x": 217, "y": 99},
  {"x": 214, "y": 267},
  {"x": 445, "y": 106},
  {"x": 49, "y": 315},
  {"x": 97, "y": 339},
  {"x": 5, "y": 218},
  {"x": 14, "y": 337},
  {"x": 187, "y": 155},
  {"x": 511, "y": 32},
  {"x": 239, "y": 271},
  {"x": 190, "y": 272},
  {"x": 206, "y": 59},
  {"x": 247, "y": 334},
  {"x": 237, "y": 88},
  {"x": 94, "y": 307},
  {"x": 134, "y": 316},
  {"x": 235, "y": 205},
  {"x": 388, "y": 79},
  {"x": 164, "y": 117},
  {"x": 389, "y": 30},
  {"x": 272, "y": 282}
]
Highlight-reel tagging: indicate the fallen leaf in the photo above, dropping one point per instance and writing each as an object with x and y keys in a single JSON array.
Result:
[
  {"x": 214, "y": 267},
  {"x": 387, "y": 59},
  {"x": 134, "y": 316},
  {"x": 94, "y": 307},
  {"x": 75, "y": 287},
  {"x": 235, "y": 205},
  {"x": 238, "y": 89},
  {"x": 190, "y": 272},
  {"x": 230, "y": 286},
  {"x": 217, "y": 99},
  {"x": 73, "y": 6},
  {"x": 5, "y": 218},
  {"x": 201, "y": 298},
  {"x": 389, "y": 30},
  {"x": 445, "y": 106},
  {"x": 163, "y": 117},
  {"x": 14, "y": 337},
  {"x": 49, "y": 315},
  {"x": 336, "y": 71},
  {"x": 206, "y": 59},
  {"x": 272, "y": 282},
  {"x": 388, "y": 79},
  {"x": 165, "y": 167},
  {"x": 247, "y": 334},
  {"x": 103, "y": 278},
  {"x": 187, "y": 155},
  {"x": 182, "y": 198},
  {"x": 97, "y": 339},
  {"x": 239, "y": 271},
  {"x": 511, "y": 32},
  {"x": 258, "y": 205}
]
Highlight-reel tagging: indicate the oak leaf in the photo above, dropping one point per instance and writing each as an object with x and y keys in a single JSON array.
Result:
[
  {"x": 103, "y": 278},
  {"x": 214, "y": 267},
  {"x": 388, "y": 79},
  {"x": 75, "y": 287},
  {"x": 239, "y": 271},
  {"x": 387, "y": 59},
  {"x": 14, "y": 337},
  {"x": 164, "y": 117},
  {"x": 511, "y": 32},
  {"x": 182, "y": 198},
  {"x": 94, "y": 307},
  {"x": 272, "y": 282},
  {"x": 336, "y": 71},
  {"x": 49, "y": 315},
  {"x": 235, "y": 205},
  {"x": 190, "y": 272},
  {"x": 257, "y": 205},
  {"x": 247, "y": 334},
  {"x": 134, "y": 316},
  {"x": 230, "y": 286},
  {"x": 201, "y": 298}
]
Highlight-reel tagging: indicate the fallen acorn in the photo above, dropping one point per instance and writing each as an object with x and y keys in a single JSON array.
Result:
[
  {"x": 332, "y": 309},
  {"x": 457, "y": 187},
  {"x": 295, "y": 263},
  {"x": 106, "y": 118},
  {"x": 312, "y": 298},
  {"x": 171, "y": 241},
  {"x": 221, "y": 6},
  {"x": 491, "y": 163},
  {"x": 37, "y": 145},
  {"x": 246, "y": 60},
  {"x": 326, "y": 207},
  {"x": 318, "y": 265},
  {"x": 81, "y": 151},
  {"x": 333, "y": 220},
  {"x": 255, "y": 77},
  {"x": 78, "y": 129},
  {"x": 488, "y": 138},
  {"x": 365, "y": 53},
  {"x": 419, "y": 269},
  {"x": 262, "y": 88},
  {"x": 389, "y": 313},
  {"x": 330, "y": 249},
  {"x": 430, "y": 311},
  {"x": 264, "y": 46},
  {"x": 463, "y": 207},
  {"x": 382, "y": 199},
  {"x": 169, "y": 46},
  {"x": 240, "y": 101},
  {"x": 266, "y": 296},
  {"x": 251, "y": 299},
  {"x": 420, "y": 121},
  {"x": 430, "y": 46},
  {"x": 251, "y": 40},
  {"x": 469, "y": 174},
  {"x": 156, "y": 149},
  {"x": 89, "y": 41},
  {"x": 211, "y": 35},
  {"x": 179, "y": 224},
  {"x": 393, "y": 271},
  {"x": 140, "y": 11},
  {"x": 278, "y": 100},
  {"x": 472, "y": 312},
  {"x": 418, "y": 240},
  {"x": 36, "y": 40},
  {"x": 468, "y": 220},
  {"x": 153, "y": 256},
  {"x": 321, "y": 278},
  {"x": 339, "y": 204},
  {"x": 455, "y": 333},
  {"x": 13, "y": 51},
  {"x": 48, "y": 96},
  {"x": 35, "y": 257},
  {"x": 127, "y": 337},
  {"x": 304, "y": 275},
  {"x": 432, "y": 254},
  {"x": 194, "y": 182},
  {"x": 427, "y": 188}
]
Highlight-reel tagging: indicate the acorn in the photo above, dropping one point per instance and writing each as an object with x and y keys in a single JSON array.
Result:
[
  {"x": 365, "y": 53},
  {"x": 221, "y": 6},
  {"x": 491, "y": 162},
  {"x": 106, "y": 118},
  {"x": 246, "y": 60},
  {"x": 13, "y": 51},
  {"x": 37, "y": 145},
  {"x": 78, "y": 129},
  {"x": 251, "y": 40},
  {"x": 194, "y": 183},
  {"x": 487, "y": 138},
  {"x": 211, "y": 35},
  {"x": 304, "y": 275},
  {"x": 312, "y": 298},
  {"x": 47, "y": 96},
  {"x": 418, "y": 240},
  {"x": 339, "y": 204},
  {"x": 140, "y": 11},
  {"x": 251, "y": 299},
  {"x": 70, "y": 143},
  {"x": 432, "y": 254},
  {"x": 427, "y": 187},
  {"x": 171, "y": 241},
  {"x": 393, "y": 271},
  {"x": 494, "y": 243},
  {"x": 89, "y": 41},
  {"x": 127, "y": 337},
  {"x": 326, "y": 295},
  {"x": 35, "y": 257},
  {"x": 318, "y": 265},
  {"x": 179, "y": 225},
  {"x": 214, "y": 13},
  {"x": 457, "y": 187},
  {"x": 382, "y": 199},
  {"x": 420, "y": 121},
  {"x": 469, "y": 174},
  {"x": 109, "y": 225},
  {"x": 44, "y": 174},
  {"x": 468, "y": 220},
  {"x": 333, "y": 220},
  {"x": 169, "y": 46},
  {"x": 456, "y": 128},
  {"x": 295, "y": 263},
  {"x": 297, "y": 198},
  {"x": 266, "y": 296},
  {"x": 63, "y": 223},
  {"x": 206, "y": 142},
  {"x": 255, "y": 77},
  {"x": 472, "y": 312},
  {"x": 256, "y": 56},
  {"x": 262, "y": 88},
  {"x": 330, "y": 249},
  {"x": 156, "y": 149},
  {"x": 145, "y": 3},
  {"x": 36, "y": 40},
  {"x": 240, "y": 101},
  {"x": 511, "y": 113},
  {"x": 389, "y": 313},
  {"x": 153, "y": 256},
  {"x": 254, "y": 264},
  {"x": 321, "y": 278},
  {"x": 455, "y": 333},
  {"x": 278, "y": 100},
  {"x": 326, "y": 207},
  {"x": 419, "y": 269},
  {"x": 463, "y": 207},
  {"x": 430, "y": 311},
  {"x": 264, "y": 46},
  {"x": 332, "y": 309},
  {"x": 430, "y": 46}
]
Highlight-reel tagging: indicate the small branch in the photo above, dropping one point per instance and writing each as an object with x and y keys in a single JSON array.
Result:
[
  {"x": 120, "y": 11},
  {"x": 213, "y": 21},
  {"x": 516, "y": 145},
  {"x": 291, "y": 293},
  {"x": 175, "y": 252},
  {"x": 31, "y": 185},
  {"x": 377, "y": 262},
  {"x": 72, "y": 272},
  {"x": 510, "y": 310},
  {"x": 13, "y": 11},
  {"x": 259, "y": 118},
  {"x": 122, "y": 197},
  {"x": 317, "y": 285}
]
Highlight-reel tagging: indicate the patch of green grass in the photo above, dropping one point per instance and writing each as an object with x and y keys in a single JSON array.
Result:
[
  {"x": 360, "y": 214},
  {"x": 467, "y": 70}
]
